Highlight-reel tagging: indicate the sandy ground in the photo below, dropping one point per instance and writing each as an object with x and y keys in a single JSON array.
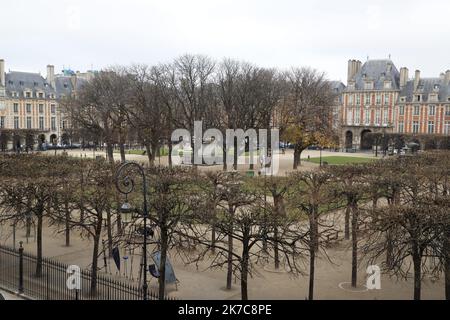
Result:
[
  {"x": 203, "y": 283},
  {"x": 331, "y": 281}
]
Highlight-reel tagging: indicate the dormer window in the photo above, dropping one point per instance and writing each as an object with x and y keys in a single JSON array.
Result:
[
  {"x": 41, "y": 95},
  {"x": 403, "y": 99},
  {"x": 21, "y": 83},
  {"x": 436, "y": 87},
  {"x": 433, "y": 97},
  {"x": 368, "y": 85},
  {"x": 387, "y": 84},
  {"x": 28, "y": 94},
  {"x": 417, "y": 97}
]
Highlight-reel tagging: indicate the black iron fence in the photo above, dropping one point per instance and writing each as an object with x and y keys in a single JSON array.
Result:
[{"x": 20, "y": 271}]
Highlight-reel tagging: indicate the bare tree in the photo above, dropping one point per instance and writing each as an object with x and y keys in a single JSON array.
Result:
[{"x": 306, "y": 105}]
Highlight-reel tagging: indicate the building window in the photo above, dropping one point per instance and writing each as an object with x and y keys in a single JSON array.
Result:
[
  {"x": 416, "y": 110},
  {"x": 358, "y": 99},
  {"x": 415, "y": 127},
  {"x": 430, "y": 126},
  {"x": 28, "y": 94},
  {"x": 400, "y": 127},
  {"x": 447, "y": 127},
  {"x": 377, "y": 116},
  {"x": 64, "y": 124},
  {"x": 349, "y": 116},
  {"x": 385, "y": 116},
  {"x": 53, "y": 109},
  {"x": 41, "y": 108},
  {"x": 53, "y": 124},
  {"x": 41, "y": 123},
  {"x": 431, "y": 110},
  {"x": 367, "y": 99},
  {"x": 367, "y": 116},
  {"x": 417, "y": 97},
  {"x": 28, "y": 105},
  {"x": 350, "y": 99},
  {"x": 401, "y": 110},
  {"x": 41, "y": 95},
  {"x": 357, "y": 115},
  {"x": 386, "y": 98},
  {"x": 28, "y": 122},
  {"x": 447, "y": 110},
  {"x": 2, "y": 122},
  {"x": 16, "y": 123},
  {"x": 16, "y": 107},
  {"x": 378, "y": 99}
]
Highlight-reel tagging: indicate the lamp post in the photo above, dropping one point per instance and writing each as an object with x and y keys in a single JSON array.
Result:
[{"x": 125, "y": 185}]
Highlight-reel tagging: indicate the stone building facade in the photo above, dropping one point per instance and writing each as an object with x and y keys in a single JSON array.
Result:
[
  {"x": 30, "y": 101},
  {"x": 379, "y": 98}
]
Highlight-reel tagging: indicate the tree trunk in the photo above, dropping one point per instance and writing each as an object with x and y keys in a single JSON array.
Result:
[
  {"x": 347, "y": 223},
  {"x": 312, "y": 258},
  {"x": 276, "y": 254},
  {"x": 67, "y": 218},
  {"x": 417, "y": 274},
  {"x": 170, "y": 153},
  {"x": 230, "y": 253},
  {"x": 94, "y": 266},
  {"x": 148, "y": 150},
  {"x": 354, "y": 244},
  {"x": 244, "y": 270},
  {"x": 447, "y": 261},
  {"x": 39, "y": 243},
  {"x": 313, "y": 242},
  {"x": 110, "y": 152},
  {"x": 109, "y": 231},
  {"x": 162, "y": 266},
  {"x": 297, "y": 152},
  {"x": 122, "y": 152},
  {"x": 28, "y": 227}
]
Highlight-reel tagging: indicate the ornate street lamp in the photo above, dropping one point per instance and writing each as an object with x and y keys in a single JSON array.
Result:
[
  {"x": 126, "y": 212},
  {"x": 125, "y": 185}
]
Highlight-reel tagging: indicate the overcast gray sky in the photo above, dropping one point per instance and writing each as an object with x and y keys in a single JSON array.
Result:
[{"x": 276, "y": 33}]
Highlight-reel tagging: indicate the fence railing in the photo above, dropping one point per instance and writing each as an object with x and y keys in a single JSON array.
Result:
[{"x": 19, "y": 272}]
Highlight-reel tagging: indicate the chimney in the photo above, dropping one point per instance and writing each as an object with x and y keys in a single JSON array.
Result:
[
  {"x": 2, "y": 72},
  {"x": 416, "y": 79},
  {"x": 353, "y": 67},
  {"x": 350, "y": 70},
  {"x": 357, "y": 66},
  {"x": 447, "y": 77},
  {"x": 403, "y": 76},
  {"x": 51, "y": 75}
]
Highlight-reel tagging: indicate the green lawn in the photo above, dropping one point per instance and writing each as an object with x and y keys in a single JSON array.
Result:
[
  {"x": 340, "y": 160},
  {"x": 164, "y": 151}
]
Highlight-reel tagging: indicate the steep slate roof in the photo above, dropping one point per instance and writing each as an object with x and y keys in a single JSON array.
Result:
[
  {"x": 19, "y": 81},
  {"x": 378, "y": 71},
  {"x": 337, "y": 86},
  {"x": 64, "y": 85},
  {"x": 425, "y": 87}
]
